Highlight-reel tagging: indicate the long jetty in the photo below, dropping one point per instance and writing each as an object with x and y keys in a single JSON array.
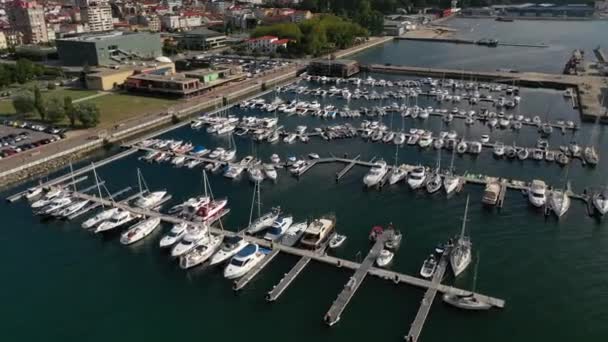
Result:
[
  {"x": 278, "y": 289},
  {"x": 469, "y": 42},
  {"x": 335, "y": 311}
]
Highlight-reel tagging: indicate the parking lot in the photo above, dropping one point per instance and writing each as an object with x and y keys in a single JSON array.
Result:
[
  {"x": 251, "y": 66},
  {"x": 14, "y": 140}
]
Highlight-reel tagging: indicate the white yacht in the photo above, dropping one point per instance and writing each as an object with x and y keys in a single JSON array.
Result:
[
  {"x": 234, "y": 171},
  {"x": 398, "y": 174},
  {"x": 294, "y": 233},
  {"x": 433, "y": 183},
  {"x": 538, "y": 193},
  {"x": 559, "y": 202},
  {"x": 176, "y": 233},
  {"x": 318, "y": 232},
  {"x": 428, "y": 267},
  {"x": 384, "y": 258},
  {"x": 47, "y": 198},
  {"x": 499, "y": 149},
  {"x": 217, "y": 153},
  {"x": 100, "y": 217},
  {"x": 120, "y": 218},
  {"x": 255, "y": 173},
  {"x": 244, "y": 261},
  {"x": 193, "y": 236},
  {"x": 33, "y": 192},
  {"x": 416, "y": 177},
  {"x": 270, "y": 172},
  {"x": 278, "y": 228},
  {"x": 450, "y": 183},
  {"x": 229, "y": 248},
  {"x": 150, "y": 200},
  {"x": 228, "y": 155},
  {"x": 275, "y": 159},
  {"x": 426, "y": 139},
  {"x": 375, "y": 174},
  {"x": 139, "y": 231},
  {"x": 263, "y": 222},
  {"x": 600, "y": 201},
  {"x": 55, "y": 206},
  {"x": 460, "y": 256},
  {"x": 201, "y": 253}
]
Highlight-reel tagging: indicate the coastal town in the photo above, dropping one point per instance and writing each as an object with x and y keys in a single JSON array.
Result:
[{"x": 292, "y": 147}]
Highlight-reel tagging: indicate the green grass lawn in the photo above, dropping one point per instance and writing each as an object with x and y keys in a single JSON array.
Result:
[
  {"x": 117, "y": 107},
  {"x": 6, "y": 106}
]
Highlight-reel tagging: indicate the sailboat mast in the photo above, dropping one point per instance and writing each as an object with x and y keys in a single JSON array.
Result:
[
  {"x": 452, "y": 161},
  {"x": 464, "y": 220},
  {"x": 475, "y": 273},
  {"x": 259, "y": 201},
  {"x": 97, "y": 183},
  {"x": 253, "y": 202},
  {"x": 72, "y": 174}
]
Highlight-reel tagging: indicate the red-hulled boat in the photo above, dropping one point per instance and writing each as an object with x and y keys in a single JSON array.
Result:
[
  {"x": 375, "y": 233},
  {"x": 210, "y": 209}
]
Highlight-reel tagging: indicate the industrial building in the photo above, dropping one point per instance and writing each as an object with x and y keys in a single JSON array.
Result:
[
  {"x": 549, "y": 11},
  {"x": 108, "y": 48}
]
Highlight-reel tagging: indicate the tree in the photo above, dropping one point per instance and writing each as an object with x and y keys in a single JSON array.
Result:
[
  {"x": 24, "y": 103},
  {"x": 88, "y": 114},
  {"x": 39, "y": 103},
  {"x": 55, "y": 110},
  {"x": 70, "y": 111}
]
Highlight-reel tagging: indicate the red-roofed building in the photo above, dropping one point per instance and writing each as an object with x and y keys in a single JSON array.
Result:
[{"x": 266, "y": 43}]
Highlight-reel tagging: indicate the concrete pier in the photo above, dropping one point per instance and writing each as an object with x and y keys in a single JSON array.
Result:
[
  {"x": 244, "y": 280},
  {"x": 278, "y": 289}
]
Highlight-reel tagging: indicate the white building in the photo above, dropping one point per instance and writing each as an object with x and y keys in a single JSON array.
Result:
[
  {"x": 175, "y": 22},
  {"x": 97, "y": 14},
  {"x": 266, "y": 44}
]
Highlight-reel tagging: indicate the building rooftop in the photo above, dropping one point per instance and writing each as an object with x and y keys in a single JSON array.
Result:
[
  {"x": 175, "y": 78},
  {"x": 203, "y": 31},
  {"x": 101, "y": 36}
]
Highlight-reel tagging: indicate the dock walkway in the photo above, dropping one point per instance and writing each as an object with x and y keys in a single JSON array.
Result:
[
  {"x": 278, "y": 289},
  {"x": 427, "y": 300},
  {"x": 335, "y": 311},
  {"x": 244, "y": 280}
]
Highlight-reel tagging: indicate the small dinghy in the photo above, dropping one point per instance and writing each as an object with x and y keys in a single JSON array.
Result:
[
  {"x": 384, "y": 258},
  {"x": 428, "y": 267},
  {"x": 336, "y": 241}
]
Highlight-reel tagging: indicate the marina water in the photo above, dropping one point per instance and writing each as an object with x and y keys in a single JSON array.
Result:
[{"x": 62, "y": 283}]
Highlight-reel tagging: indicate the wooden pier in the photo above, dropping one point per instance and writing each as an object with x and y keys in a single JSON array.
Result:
[
  {"x": 244, "y": 280},
  {"x": 427, "y": 300},
  {"x": 335, "y": 311},
  {"x": 278, "y": 289}
]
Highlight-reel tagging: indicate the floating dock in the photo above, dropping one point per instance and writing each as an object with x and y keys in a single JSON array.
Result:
[
  {"x": 335, "y": 311},
  {"x": 427, "y": 300},
  {"x": 347, "y": 168},
  {"x": 278, "y": 289},
  {"x": 20, "y": 195}
]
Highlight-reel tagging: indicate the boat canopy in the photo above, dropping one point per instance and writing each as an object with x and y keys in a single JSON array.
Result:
[{"x": 247, "y": 251}]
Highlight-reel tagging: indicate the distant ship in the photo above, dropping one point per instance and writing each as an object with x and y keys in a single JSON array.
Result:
[{"x": 507, "y": 20}]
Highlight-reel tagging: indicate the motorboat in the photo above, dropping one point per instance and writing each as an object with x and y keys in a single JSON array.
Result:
[
  {"x": 275, "y": 159},
  {"x": 228, "y": 155},
  {"x": 47, "y": 198},
  {"x": 399, "y": 139},
  {"x": 209, "y": 211},
  {"x": 549, "y": 155},
  {"x": 255, "y": 173},
  {"x": 600, "y": 201},
  {"x": 559, "y": 202},
  {"x": 537, "y": 193},
  {"x": 278, "y": 228},
  {"x": 397, "y": 174},
  {"x": 119, "y": 219},
  {"x": 139, "y": 231},
  {"x": 438, "y": 144},
  {"x": 200, "y": 253},
  {"x": 34, "y": 192},
  {"x": 475, "y": 147},
  {"x": 461, "y": 147},
  {"x": 318, "y": 232},
  {"x": 428, "y": 267},
  {"x": 522, "y": 153},
  {"x": 538, "y": 154},
  {"x": 375, "y": 233},
  {"x": 150, "y": 200},
  {"x": 590, "y": 155},
  {"x": 193, "y": 237},
  {"x": 425, "y": 140},
  {"x": 217, "y": 153},
  {"x": 336, "y": 241},
  {"x": 55, "y": 206},
  {"x": 177, "y": 232},
  {"x": 491, "y": 193},
  {"x": 375, "y": 174},
  {"x": 460, "y": 255},
  {"x": 416, "y": 177},
  {"x": 263, "y": 221},
  {"x": 191, "y": 202},
  {"x": 499, "y": 149},
  {"x": 450, "y": 183},
  {"x": 100, "y": 217},
  {"x": 313, "y": 156},
  {"x": 467, "y": 302},
  {"x": 394, "y": 240},
  {"x": 234, "y": 171},
  {"x": 229, "y": 248},
  {"x": 433, "y": 182},
  {"x": 384, "y": 258},
  {"x": 246, "y": 259},
  {"x": 294, "y": 233},
  {"x": 270, "y": 171},
  {"x": 485, "y": 139}
]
